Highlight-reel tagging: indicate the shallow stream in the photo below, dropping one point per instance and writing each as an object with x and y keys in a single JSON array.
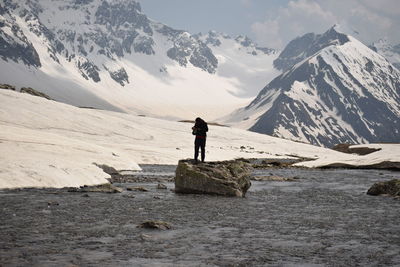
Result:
[{"x": 324, "y": 218}]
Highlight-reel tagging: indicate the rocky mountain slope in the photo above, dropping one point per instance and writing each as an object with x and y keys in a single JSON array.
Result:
[
  {"x": 109, "y": 54},
  {"x": 389, "y": 51},
  {"x": 336, "y": 91}
]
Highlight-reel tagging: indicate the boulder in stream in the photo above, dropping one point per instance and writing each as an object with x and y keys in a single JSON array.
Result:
[
  {"x": 227, "y": 178},
  {"x": 391, "y": 188},
  {"x": 137, "y": 188},
  {"x": 155, "y": 225}
]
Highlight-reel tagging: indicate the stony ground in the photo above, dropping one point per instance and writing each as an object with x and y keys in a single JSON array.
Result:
[{"x": 322, "y": 218}]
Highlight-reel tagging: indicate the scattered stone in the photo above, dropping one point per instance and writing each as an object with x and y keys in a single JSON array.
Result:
[
  {"x": 129, "y": 196},
  {"x": 161, "y": 186},
  {"x": 138, "y": 178},
  {"x": 137, "y": 188},
  {"x": 103, "y": 188},
  {"x": 85, "y": 195},
  {"x": 228, "y": 178},
  {"x": 157, "y": 197},
  {"x": 391, "y": 188},
  {"x": 145, "y": 237},
  {"x": 155, "y": 225},
  {"x": 53, "y": 203},
  {"x": 31, "y": 91},
  {"x": 274, "y": 178},
  {"x": 275, "y": 163}
]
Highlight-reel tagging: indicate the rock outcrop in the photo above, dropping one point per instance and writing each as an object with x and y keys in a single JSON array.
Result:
[
  {"x": 227, "y": 178},
  {"x": 391, "y": 188},
  {"x": 345, "y": 148},
  {"x": 7, "y": 87},
  {"x": 31, "y": 91}
]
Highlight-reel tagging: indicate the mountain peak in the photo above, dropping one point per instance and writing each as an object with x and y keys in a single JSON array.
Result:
[
  {"x": 335, "y": 35},
  {"x": 338, "y": 91},
  {"x": 118, "y": 12},
  {"x": 307, "y": 45}
]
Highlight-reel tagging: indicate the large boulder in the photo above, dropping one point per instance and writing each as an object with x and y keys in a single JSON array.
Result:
[
  {"x": 391, "y": 188},
  {"x": 227, "y": 178}
]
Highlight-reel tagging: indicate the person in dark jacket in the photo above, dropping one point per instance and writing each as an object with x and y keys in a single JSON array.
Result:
[{"x": 200, "y": 130}]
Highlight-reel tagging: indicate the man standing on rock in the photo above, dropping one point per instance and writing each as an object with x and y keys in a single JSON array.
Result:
[{"x": 200, "y": 130}]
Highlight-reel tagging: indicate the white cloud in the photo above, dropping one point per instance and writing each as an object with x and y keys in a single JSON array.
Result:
[
  {"x": 268, "y": 32},
  {"x": 297, "y": 18},
  {"x": 246, "y": 3},
  {"x": 372, "y": 19},
  {"x": 386, "y": 6}
]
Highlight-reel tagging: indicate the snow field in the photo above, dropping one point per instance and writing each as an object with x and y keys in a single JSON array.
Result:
[{"x": 49, "y": 144}]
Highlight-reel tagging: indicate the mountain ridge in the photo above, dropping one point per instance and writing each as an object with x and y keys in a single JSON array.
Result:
[
  {"x": 344, "y": 93},
  {"x": 108, "y": 54}
]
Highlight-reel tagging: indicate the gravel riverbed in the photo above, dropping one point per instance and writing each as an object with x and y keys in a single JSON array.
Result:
[{"x": 323, "y": 218}]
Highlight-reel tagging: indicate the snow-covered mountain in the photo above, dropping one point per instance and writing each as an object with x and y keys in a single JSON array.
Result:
[
  {"x": 337, "y": 91},
  {"x": 389, "y": 51},
  {"x": 307, "y": 45},
  {"x": 241, "y": 59},
  {"x": 50, "y": 144},
  {"x": 108, "y": 54}
]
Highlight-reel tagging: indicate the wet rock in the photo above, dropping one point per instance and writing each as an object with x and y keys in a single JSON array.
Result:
[
  {"x": 391, "y": 188},
  {"x": 145, "y": 237},
  {"x": 53, "y": 203},
  {"x": 137, "y": 188},
  {"x": 161, "y": 186},
  {"x": 31, "y": 91},
  {"x": 104, "y": 188},
  {"x": 155, "y": 225},
  {"x": 228, "y": 178},
  {"x": 129, "y": 196},
  {"x": 274, "y": 178}
]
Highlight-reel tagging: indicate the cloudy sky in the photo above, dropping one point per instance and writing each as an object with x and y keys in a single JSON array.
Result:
[{"x": 274, "y": 23}]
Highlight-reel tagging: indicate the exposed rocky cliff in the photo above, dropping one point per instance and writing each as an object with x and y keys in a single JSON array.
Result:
[{"x": 337, "y": 91}]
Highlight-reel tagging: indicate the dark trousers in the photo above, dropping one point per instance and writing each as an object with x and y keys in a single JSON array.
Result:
[{"x": 200, "y": 143}]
